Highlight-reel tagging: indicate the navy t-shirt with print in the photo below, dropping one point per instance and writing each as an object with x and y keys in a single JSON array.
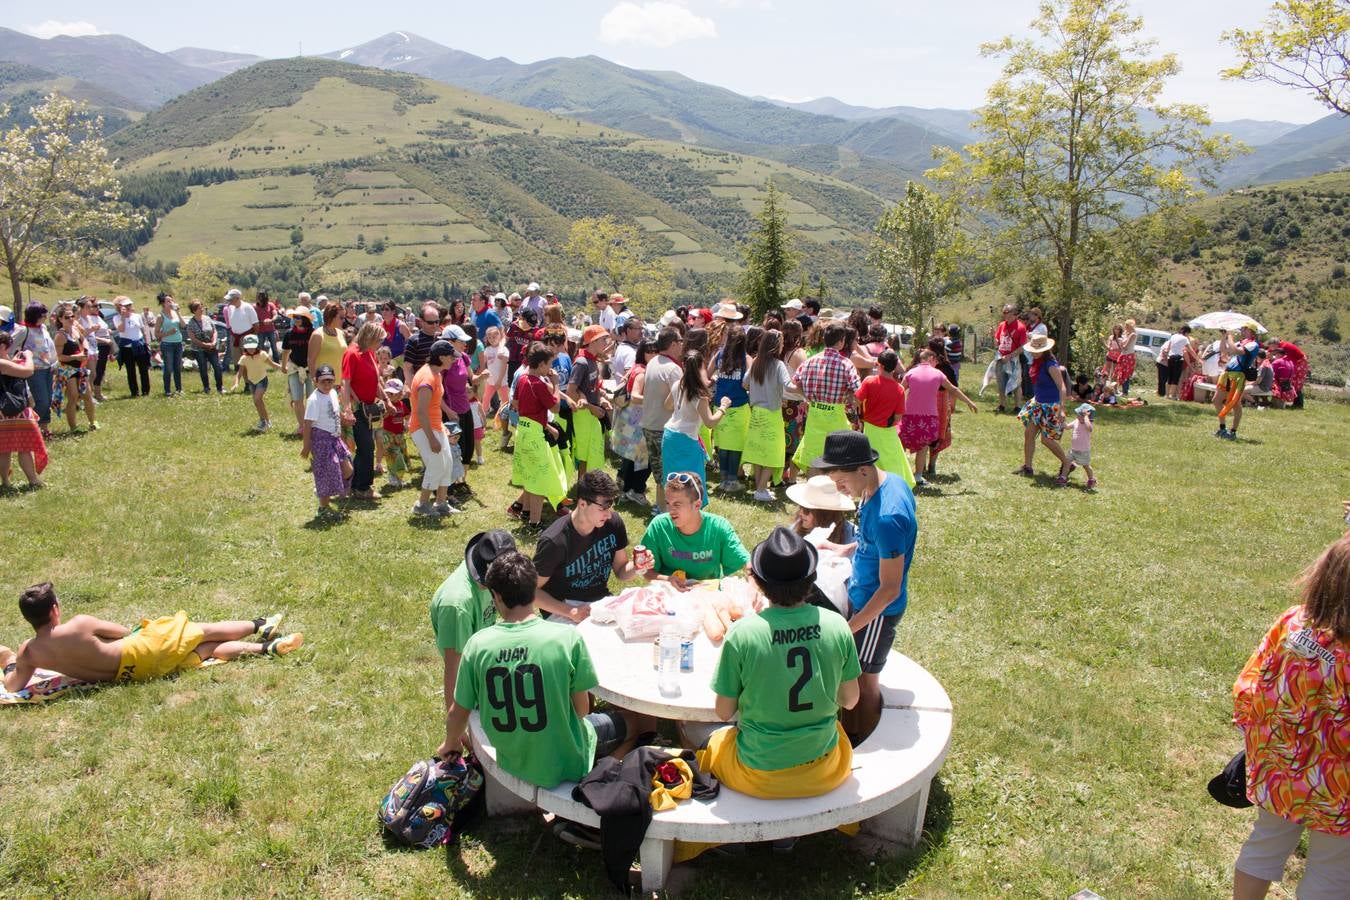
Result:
[{"x": 577, "y": 566}]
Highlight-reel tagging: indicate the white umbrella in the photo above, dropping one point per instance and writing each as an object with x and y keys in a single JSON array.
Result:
[{"x": 1227, "y": 320}]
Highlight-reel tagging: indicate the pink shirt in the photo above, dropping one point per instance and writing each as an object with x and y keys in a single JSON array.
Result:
[
  {"x": 921, "y": 390},
  {"x": 1082, "y": 434}
]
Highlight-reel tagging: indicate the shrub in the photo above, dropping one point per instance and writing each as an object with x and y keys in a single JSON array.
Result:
[
  {"x": 1244, "y": 233},
  {"x": 1254, "y": 256},
  {"x": 1330, "y": 330},
  {"x": 1337, "y": 272},
  {"x": 1242, "y": 285},
  {"x": 1293, "y": 231}
]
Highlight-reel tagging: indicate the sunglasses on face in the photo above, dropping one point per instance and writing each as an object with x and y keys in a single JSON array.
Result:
[{"x": 598, "y": 505}]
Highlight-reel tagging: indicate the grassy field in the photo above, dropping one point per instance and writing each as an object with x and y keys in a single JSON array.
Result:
[{"x": 1088, "y": 641}]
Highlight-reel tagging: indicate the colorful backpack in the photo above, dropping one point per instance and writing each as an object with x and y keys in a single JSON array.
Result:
[{"x": 420, "y": 810}]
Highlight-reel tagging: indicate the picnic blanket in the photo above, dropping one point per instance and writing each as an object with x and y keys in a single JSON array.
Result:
[{"x": 46, "y": 685}]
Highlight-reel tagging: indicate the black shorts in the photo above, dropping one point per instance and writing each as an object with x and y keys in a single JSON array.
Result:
[
  {"x": 1174, "y": 366},
  {"x": 610, "y": 731},
  {"x": 874, "y": 642}
]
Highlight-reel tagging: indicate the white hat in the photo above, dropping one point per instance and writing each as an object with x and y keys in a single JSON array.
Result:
[
  {"x": 669, "y": 318},
  {"x": 455, "y": 333},
  {"x": 794, "y": 303},
  {"x": 499, "y": 296},
  {"x": 6, "y": 312},
  {"x": 514, "y": 296},
  {"x": 393, "y": 386},
  {"x": 728, "y": 310},
  {"x": 819, "y": 492},
  {"x": 534, "y": 286},
  {"x": 232, "y": 293}
]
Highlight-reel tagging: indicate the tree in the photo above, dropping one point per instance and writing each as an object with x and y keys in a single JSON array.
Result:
[
  {"x": 915, "y": 251},
  {"x": 200, "y": 277},
  {"x": 1065, "y": 162},
  {"x": 57, "y": 190},
  {"x": 769, "y": 256},
  {"x": 618, "y": 254},
  {"x": 1305, "y": 44}
]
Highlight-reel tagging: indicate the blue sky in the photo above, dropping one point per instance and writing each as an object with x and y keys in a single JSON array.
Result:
[{"x": 868, "y": 52}]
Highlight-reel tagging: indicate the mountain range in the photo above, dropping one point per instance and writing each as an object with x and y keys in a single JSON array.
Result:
[{"x": 875, "y": 148}]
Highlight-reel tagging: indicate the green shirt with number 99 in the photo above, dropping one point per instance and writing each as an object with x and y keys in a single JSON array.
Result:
[
  {"x": 784, "y": 667},
  {"x": 520, "y": 676}
]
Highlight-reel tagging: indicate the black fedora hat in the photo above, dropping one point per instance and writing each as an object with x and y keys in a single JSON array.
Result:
[
  {"x": 845, "y": 450},
  {"x": 783, "y": 557},
  {"x": 483, "y": 548}
]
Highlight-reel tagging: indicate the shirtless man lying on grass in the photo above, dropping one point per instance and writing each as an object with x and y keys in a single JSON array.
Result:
[{"x": 91, "y": 649}]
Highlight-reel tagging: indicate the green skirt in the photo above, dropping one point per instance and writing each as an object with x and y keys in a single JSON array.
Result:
[
  {"x": 890, "y": 455},
  {"x": 730, "y": 433},
  {"x": 537, "y": 467},
  {"x": 588, "y": 439},
  {"x": 765, "y": 443},
  {"x": 821, "y": 419}
]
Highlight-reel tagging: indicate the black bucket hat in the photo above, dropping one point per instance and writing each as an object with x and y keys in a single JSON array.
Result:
[
  {"x": 783, "y": 557},
  {"x": 845, "y": 450}
]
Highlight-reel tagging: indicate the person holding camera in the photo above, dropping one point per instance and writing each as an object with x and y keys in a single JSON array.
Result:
[{"x": 362, "y": 390}]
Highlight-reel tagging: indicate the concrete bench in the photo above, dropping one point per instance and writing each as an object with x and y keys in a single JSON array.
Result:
[
  {"x": 887, "y": 792},
  {"x": 1206, "y": 387}
]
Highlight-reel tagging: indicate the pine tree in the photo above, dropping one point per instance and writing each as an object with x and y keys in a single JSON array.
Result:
[{"x": 769, "y": 256}]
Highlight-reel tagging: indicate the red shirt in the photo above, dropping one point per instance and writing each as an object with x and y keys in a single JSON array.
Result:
[
  {"x": 359, "y": 371},
  {"x": 266, "y": 311},
  {"x": 1010, "y": 338},
  {"x": 1294, "y": 352},
  {"x": 397, "y": 421},
  {"x": 534, "y": 398},
  {"x": 883, "y": 400}
]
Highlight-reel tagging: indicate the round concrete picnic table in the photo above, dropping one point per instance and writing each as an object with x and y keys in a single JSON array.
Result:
[{"x": 628, "y": 678}]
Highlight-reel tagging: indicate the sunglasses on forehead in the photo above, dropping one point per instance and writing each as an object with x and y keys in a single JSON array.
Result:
[{"x": 681, "y": 478}]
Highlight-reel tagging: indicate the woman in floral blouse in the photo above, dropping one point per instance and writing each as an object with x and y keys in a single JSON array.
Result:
[{"x": 1292, "y": 702}]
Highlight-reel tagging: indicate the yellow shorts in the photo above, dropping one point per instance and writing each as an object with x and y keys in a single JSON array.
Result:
[
  {"x": 810, "y": 779},
  {"x": 160, "y": 647}
]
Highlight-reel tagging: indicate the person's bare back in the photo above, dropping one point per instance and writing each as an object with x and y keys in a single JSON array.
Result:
[{"x": 86, "y": 647}]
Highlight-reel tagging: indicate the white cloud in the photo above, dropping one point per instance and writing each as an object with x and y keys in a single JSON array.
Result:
[
  {"x": 51, "y": 28},
  {"x": 655, "y": 24}
]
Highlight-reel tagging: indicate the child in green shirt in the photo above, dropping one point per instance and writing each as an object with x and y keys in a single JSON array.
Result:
[
  {"x": 530, "y": 680},
  {"x": 786, "y": 671}
]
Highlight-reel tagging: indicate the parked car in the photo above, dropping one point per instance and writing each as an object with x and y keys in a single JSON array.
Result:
[{"x": 1148, "y": 340}]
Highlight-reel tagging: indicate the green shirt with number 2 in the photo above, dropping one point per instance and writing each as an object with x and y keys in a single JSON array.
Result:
[{"x": 784, "y": 667}]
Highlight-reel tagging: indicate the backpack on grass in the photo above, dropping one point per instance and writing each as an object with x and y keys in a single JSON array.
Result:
[{"x": 421, "y": 809}]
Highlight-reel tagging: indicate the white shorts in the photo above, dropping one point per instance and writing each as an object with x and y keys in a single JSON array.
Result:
[
  {"x": 1272, "y": 840},
  {"x": 1081, "y": 457},
  {"x": 438, "y": 468}
]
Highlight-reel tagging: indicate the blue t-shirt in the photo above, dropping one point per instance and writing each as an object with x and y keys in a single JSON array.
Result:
[
  {"x": 729, "y": 385},
  {"x": 485, "y": 320},
  {"x": 887, "y": 528},
  {"x": 1046, "y": 390},
  {"x": 1245, "y": 358}
]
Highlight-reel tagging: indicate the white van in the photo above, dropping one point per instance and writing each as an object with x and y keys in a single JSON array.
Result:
[{"x": 1147, "y": 342}]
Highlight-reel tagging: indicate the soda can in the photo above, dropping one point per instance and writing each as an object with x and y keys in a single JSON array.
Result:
[
  {"x": 642, "y": 557},
  {"x": 686, "y": 655}
]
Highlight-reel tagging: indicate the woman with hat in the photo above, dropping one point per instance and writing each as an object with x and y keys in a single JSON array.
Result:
[
  {"x": 1043, "y": 414},
  {"x": 295, "y": 360},
  {"x": 460, "y": 383},
  {"x": 791, "y": 650},
  {"x": 878, "y": 589},
  {"x": 425, "y": 424},
  {"x": 330, "y": 460},
  {"x": 820, "y": 505},
  {"x": 201, "y": 331}
]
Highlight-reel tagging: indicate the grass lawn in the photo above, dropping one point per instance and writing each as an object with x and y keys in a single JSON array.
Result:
[{"x": 1088, "y": 642}]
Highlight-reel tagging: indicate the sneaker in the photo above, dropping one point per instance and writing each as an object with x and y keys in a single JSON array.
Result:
[
  {"x": 478, "y": 459},
  {"x": 733, "y": 485},
  {"x": 1230, "y": 436},
  {"x": 284, "y": 645},
  {"x": 445, "y": 509},
  {"x": 577, "y": 835},
  {"x": 423, "y": 509},
  {"x": 764, "y": 496},
  {"x": 920, "y": 482},
  {"x": 269, "y": 627},
  {"x": 93, "y": 426},
  {"x": 393, "y": 482},
  {"x": 1221, "y": 433},
  {"x": 515, "y": 510},
  {"x": 634, "y": 497},
  {"x": 1024, "y": 470},
  {"x": 1091, "y": 483}
]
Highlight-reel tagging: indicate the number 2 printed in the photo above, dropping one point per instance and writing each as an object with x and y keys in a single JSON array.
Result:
[{"x": 803, "y": 656}]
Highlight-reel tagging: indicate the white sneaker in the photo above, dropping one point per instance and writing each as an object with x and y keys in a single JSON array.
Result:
[
  {"x": 479, "y": 459},
  {"x": 423, "y": 509},
  {"x": 393, "y": 482},
  {"x": 764, "y": 496},
  {"x": 635, "y": 497},
  {"x": 444, "y": 509},
  {"x": 733, "y": 485}
]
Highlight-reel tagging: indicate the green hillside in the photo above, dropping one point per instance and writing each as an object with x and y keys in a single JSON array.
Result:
[
  {"x": 363, "y": 176},
  {"x": 23, "y": 87},
  {"x": 1279, "y": 252}
]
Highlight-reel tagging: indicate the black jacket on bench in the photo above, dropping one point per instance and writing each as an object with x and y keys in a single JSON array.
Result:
[{"x": 619, "y": 790}]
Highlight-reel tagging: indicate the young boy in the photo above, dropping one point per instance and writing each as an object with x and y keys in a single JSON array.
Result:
[
  {"x": 395, "y": 431},
  {"x": 530, "y": 680},
  {"x": 787, "y": 672},
  {"x": 322, "y": 432},
  {"x": 1080, "y": 449},
  {"x": 253, "y": 368},
  {"x": 452, "y": 432}
]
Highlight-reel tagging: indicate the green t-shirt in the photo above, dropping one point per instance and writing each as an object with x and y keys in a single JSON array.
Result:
[
  {"x": 784, "y": 667},
  {"x": 459, "y": 608},
  {"x": 521, "y": 677},
  {"x": 714, "y": 551}
]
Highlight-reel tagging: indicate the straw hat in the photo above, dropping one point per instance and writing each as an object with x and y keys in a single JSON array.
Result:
[
  {"x": 301, "y": 311},
  {"x": 819, "y": 492},
  {"x": 728, "y": 310},
  {"x": 669, "y": 318},
  {"x": 1040, "y": 343}
]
